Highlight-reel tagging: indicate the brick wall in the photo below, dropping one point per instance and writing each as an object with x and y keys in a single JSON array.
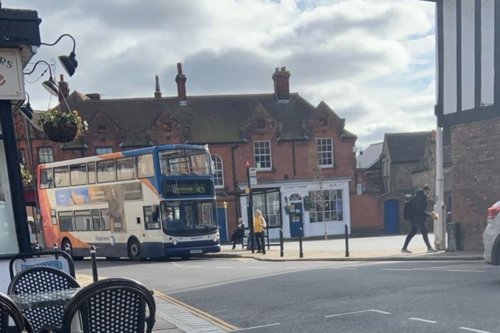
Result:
[
  {"x": 401, "y": 177},
  {"x": 475, "y": 180}
]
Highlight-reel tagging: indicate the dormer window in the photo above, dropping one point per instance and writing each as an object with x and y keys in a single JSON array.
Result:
[{"x": 261, "y": 123}]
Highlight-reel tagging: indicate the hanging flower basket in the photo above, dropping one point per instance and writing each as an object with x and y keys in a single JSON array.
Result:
[{"x": 62, "y": 127}]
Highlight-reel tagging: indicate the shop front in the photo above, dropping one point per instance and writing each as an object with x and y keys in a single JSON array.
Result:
[{"x": 307, "y": 205}]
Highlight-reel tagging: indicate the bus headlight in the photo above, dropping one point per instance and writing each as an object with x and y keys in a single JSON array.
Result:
[
  {"x": 174, "y": 242},
  {"x": 216, "y": 237}
]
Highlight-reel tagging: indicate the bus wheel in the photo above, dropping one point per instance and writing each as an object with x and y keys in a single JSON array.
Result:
[
  {"x": 65, "y": 244},
  {"x": 134, "y": 250}
]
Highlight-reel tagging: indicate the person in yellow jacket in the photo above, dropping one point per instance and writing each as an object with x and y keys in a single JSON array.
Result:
[{"x": 259, "y": 225}]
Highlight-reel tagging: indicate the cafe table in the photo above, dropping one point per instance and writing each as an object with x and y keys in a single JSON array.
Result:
[{"x": 39, "y": 300}]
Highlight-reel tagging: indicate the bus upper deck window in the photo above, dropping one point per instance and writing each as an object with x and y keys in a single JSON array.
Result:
[{"x": 46, "y": 178}]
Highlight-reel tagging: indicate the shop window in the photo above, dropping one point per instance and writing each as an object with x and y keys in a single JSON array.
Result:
[
  {"x": 326, "y": 206},
  {"x": 103, "y": 150}
]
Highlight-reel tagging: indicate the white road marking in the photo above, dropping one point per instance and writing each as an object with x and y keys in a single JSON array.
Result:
[
  {"x": 424, "y": 320},
  {"x": 356, "y": 312},
  {"x": 397, "y": 269},
  {"x": 176, "y": 264},
  {"x": 255, "y": 327},
  {"x": 463, "y": 270},
  {"x": 473, "y": 330}
]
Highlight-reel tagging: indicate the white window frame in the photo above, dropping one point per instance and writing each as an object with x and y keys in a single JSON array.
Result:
[
  {"x": 270, "y": 155},
  {"x": 43, "y": 151},
  {"x": 324, "y": 211},
  {"x": 217, "y": 171},
  {"x": 320, "y": 152}
]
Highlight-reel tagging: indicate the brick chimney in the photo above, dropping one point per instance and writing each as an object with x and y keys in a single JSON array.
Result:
[
  {"x": 181, "y": 85},
  {"x": 63, "y": 89},
  {"x": 281, "y": 80},
  {"x": 157, "y": 90}
]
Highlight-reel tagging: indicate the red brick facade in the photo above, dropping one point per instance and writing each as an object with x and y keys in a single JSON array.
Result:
[
  {"x": 291, "y": 156},
  {"x": 475, "y": 184}
]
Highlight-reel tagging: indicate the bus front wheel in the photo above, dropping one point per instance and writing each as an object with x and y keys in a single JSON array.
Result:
[
  {"x": 134, "y": 250},
  {"x": 67, "y": 244}
]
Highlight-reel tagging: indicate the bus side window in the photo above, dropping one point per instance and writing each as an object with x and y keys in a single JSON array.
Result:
[
  {"x": 66, "y": 221},
  {"x": 105, "y": 219},
  {"x": 145, "y": 166},
  {"x": 61, "y": 176},
  {"x": 96, "y": 219},
  {"x": 91, "y": 172},
  {"x": 151, "y": 216},
  {"x": 46, "y": 178}
]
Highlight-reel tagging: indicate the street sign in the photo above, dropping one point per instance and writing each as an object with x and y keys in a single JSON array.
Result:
[
  {"x": 11, "y": 75},
  {"x": 253, "y": 172},
  {"x": 247, "y": 164}
]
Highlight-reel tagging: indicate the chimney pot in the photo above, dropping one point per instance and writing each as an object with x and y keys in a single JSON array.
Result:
[
  {"x": 282, "y": 85},
  {"x": 181, "y": 85},
  {"x": 157, "y": 90},
  {"x": 63, "y": 89}
]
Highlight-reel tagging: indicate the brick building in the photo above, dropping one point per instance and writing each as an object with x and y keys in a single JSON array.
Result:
[{"x": 296, "y": 147}]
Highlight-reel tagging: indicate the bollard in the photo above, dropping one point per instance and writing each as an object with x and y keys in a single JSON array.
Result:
[
  {"x": 346, "y": 241},
  {"x": 300, "y": 243},
  {"x": 56, "y": 247},
  {"x": 282, "y": 250},
  {"x": 67, "y": 248},
  {"x": 94, "y": 263}
]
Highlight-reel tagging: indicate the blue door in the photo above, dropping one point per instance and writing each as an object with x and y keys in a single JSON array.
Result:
[
  {"x": 296, "y": 220},
  {"x": 391, "y": 217},
  {"x": 221, "y": 215}
]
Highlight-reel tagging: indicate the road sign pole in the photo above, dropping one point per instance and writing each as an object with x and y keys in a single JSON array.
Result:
[{"x": 250, "y": 209}]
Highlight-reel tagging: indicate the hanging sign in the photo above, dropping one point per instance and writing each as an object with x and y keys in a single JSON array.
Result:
[{"x": 11, "y": 75}]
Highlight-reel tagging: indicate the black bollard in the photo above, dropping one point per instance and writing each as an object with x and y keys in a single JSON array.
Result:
[
  {"x": 68, "y": 249},
  {"x": 56, "y": 247},
  {"x": 300, "y": 243},
  {"x": 346, "y": 241},
  {"x": 94, "y": 263},
  {"x": 282, "y": 250}
]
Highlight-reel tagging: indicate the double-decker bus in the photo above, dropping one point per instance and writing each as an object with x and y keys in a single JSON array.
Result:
[{"x": 144, "y": 203}]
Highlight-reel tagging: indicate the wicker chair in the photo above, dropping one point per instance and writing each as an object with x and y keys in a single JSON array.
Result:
[
  {"x": 42, "y": 279},
  {"x": 113, "y": 306},
  {"x": 9, "y": 310}
]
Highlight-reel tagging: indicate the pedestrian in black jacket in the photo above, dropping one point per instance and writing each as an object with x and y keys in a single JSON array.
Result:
[
  {"x": 238, "y": 233},
  {"x": 418, "y": 215}
]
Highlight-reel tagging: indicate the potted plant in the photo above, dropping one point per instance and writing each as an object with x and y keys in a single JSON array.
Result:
[
  {"x": 62, "y": 126},
  {"x": 27, "y": 177}
]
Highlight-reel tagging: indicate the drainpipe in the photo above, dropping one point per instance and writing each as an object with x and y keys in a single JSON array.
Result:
[
  {"x": 237, "y": 205},
  {"x": 440, "y": 223}
]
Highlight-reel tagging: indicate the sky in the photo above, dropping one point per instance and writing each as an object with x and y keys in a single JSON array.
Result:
[{"x": 372, "y": 61}]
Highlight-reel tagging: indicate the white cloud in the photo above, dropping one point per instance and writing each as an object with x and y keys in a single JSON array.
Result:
[{"x": 371, "y": 60}]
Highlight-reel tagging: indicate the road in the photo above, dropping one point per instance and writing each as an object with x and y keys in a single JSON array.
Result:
[{"x": 345, "y": 297}]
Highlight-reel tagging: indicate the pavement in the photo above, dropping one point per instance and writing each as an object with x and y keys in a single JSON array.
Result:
[{"x": 386, "y": 248}]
